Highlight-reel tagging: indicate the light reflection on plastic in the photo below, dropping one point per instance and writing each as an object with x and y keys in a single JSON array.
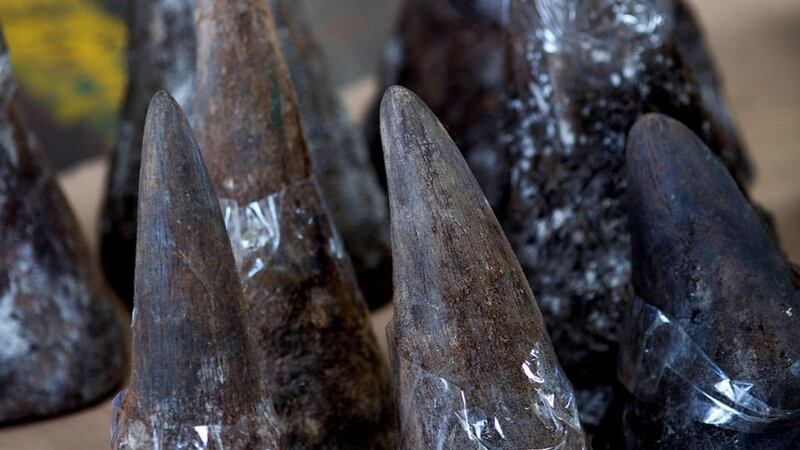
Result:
[
  {"x": 493, "y": 423},
  {"x": 656, "y": 346},
  {"x": 202, "y": 432}
]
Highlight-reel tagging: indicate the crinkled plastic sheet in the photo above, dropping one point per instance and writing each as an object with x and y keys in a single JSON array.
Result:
[
  {"x": 603, "y": 30},
  {"x": 153, "y": 433},
  {"x": 654, "y": 345},
  {"x": 498, "y": 423},
  {"x": 257, "y": 229}
]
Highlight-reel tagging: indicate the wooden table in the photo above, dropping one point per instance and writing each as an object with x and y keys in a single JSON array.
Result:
[{"x": 756, "y": 45}]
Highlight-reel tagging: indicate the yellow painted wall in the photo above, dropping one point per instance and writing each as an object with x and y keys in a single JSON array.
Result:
[{"x": 69, "y": 55}]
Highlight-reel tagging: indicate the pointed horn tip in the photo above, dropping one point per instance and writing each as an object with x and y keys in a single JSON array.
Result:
[
  {"x": 164, "y": 113},
  {"x": 650, "y": 121},
  {"x": 653, "y": 128},
  {"x": 398, "y": 103},
  {"x": 395, "y": 100},
  {"x": 394, "y": 94},
  {"x": 162, "y": 103},
  {"x": 389, "y": 111},
  {"x": 661, "y": 143},
  {"x": 168, "y": 138}
]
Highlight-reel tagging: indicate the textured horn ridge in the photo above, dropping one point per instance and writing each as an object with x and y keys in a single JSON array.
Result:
[
  {"x": 469, "y": 343},
  {"x": 61, "y": 339},
  {"x": 716, "y": 305},
  {"x": 194, "y": 371},
  {"x": 242, "y": 74},
  {"x": 341, "y": 161},
  {"x": 320, "y": 363},
  {"x": 161, "y": 56}
]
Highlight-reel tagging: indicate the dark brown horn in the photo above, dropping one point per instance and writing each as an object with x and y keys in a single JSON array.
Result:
[
  {"x": 195, "y": 377},
  {"x": 61, "y": 339},
  {"x": 579, "y": 75},
  {"x": 341, "y": 162},
  {"x": 320, "y": 362},
  {"x": 717, "y": 317},
  {"x": 161, "y": 55},
  {"x": 472, "y": 351}
]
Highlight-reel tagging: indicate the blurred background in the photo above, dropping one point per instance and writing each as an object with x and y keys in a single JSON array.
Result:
[{"x": 69, "y": 58}]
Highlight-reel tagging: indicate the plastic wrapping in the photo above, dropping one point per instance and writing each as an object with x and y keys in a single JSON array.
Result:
[
  {"x": 257, "y": 230},
  {"x": 657, "y": 354},
  {"x": 449, "y": 416},
  {"x": 194, "y": 379},
  {"x": 135, "y": 432},
  {"x": 320, "y": 361},
  {"x": 580, "y": 74}
]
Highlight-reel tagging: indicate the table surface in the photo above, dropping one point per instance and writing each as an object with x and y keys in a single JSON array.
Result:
[{"x": 755, "y": 44}]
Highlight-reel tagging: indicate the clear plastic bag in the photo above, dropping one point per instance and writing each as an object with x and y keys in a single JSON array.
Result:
[
  {"x": 257, "y": 229},
  {"x": 441, "y": 415},
  {"x": 653, "y": 346},
  {"x": 319, "y": 360}
]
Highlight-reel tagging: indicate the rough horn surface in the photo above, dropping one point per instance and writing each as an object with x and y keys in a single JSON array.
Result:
[
  {"x": 580, "y": 73},
  {"x": 341, "y": 162},
  {"x": 195, "y": 375},
  {"x": 703, "y": 257},
  {"x": 474, "y": 365},
  {"x": 61, "y": 341},
  {"x": 320, "y": 361}
]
